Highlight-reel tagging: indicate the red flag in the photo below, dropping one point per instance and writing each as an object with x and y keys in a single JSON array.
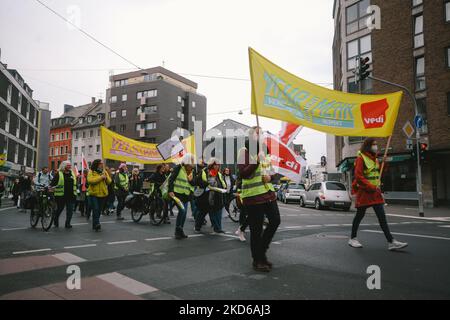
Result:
[
  {"x": 288, "y": 132},
  {"x": 84, "y": 166}
]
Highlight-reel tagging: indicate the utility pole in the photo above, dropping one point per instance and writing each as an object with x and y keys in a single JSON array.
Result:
[{"x": 419, "y": 168}]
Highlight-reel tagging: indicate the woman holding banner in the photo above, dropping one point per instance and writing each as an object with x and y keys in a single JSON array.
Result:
[{"x": 366, "y": 185}]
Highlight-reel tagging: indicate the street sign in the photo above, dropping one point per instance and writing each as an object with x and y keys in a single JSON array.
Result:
[
  {"x": 418, "y": 121},
  {"x": 409, "y": 144},
  {"x": 408, "y": 129}
]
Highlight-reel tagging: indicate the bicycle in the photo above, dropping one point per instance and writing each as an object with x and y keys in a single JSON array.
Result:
[
  {"x": 233, "y": 208},
  {"x": 46, "y": 206},
  {"x": 150, "y": 203}
]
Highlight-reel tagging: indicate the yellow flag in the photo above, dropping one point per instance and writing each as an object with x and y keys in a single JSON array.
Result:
[
  {"x": 121, "y": 148},
  {"x": 2, "y": 159},
  {"x": 280, "y": 95}
]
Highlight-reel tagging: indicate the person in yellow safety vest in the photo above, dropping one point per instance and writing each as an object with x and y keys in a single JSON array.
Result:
[
  {"x": 181, "y": 188},
  {"x": 121, "y": 187},
  {"x": 98, "y": 179},
  {"x": 243, "y": 221},
  {"x": 366, "y": 185},
  {"x": 258, "y": 198},
  {"x": 65, "y": 184},
  {"x": 211, "y": 201}
]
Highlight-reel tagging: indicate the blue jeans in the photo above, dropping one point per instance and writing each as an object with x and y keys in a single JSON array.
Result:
[
  {"x": 181, "y": 217},
  {"x": 194, "y": 209},
  {"x": 216, "y": 219},
  {"x": 96, "y": 205}
]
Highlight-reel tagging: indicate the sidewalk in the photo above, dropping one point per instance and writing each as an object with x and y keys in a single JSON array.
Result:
[{"x": 413, "y": 211}]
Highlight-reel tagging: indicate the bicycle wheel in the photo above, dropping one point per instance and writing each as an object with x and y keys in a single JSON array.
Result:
[
  {"x": 156, "y": 212},
  {"x": 47, "y": 216},
  {"x": 234, "y": 211},
  {"x": 34, "y": 218},
  {"x": 136, "y": 215}
]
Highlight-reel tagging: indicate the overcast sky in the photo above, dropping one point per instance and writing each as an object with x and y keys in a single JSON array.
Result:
[{"x": 202, "y": 37}]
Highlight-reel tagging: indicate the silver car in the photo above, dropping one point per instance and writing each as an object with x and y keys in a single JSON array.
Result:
[
  {"x": 292, "y": 192},
  {"x": 330, "y": 194}
]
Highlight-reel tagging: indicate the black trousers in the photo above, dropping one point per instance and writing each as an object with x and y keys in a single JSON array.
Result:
[
  {"x": 62, "y": 203},
  {"x": 243, "y": 219},
  {"x": 259, "y": 239},
  {"x": 379, "y": 211},
  {"x": 120, "y": 203}
]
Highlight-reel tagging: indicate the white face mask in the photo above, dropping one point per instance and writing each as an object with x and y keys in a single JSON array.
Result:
[{"x": 374, "y": 149}]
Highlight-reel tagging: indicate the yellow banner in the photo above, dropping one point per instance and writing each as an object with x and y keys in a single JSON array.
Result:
[
  {"x": 280, "y": 95},
  {"x": 2, "y": 159},
  {"x": 120, "y": 148}
]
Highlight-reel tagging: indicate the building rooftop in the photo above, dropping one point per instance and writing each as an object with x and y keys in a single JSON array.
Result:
[
  {"x": 229, "y": 124},
  {"x": 100, "y": 108}
]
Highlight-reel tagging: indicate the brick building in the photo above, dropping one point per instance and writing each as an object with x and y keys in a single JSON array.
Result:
[{"x": 412, "y": 48}]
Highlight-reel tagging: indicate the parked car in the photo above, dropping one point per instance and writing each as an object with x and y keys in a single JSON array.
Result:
[
  {"x": 292, "y": 191},
  {"x": 329, "y": 194}
]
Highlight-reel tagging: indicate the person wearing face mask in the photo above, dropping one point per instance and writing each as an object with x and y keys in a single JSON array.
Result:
[{"x": 366, "y": 186}]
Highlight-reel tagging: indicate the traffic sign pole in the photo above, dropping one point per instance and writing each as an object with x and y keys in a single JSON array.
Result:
[{"x": 419, "y": 168}]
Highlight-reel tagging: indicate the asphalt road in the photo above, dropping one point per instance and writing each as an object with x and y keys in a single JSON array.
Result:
[{"x": 139, "y": 261}]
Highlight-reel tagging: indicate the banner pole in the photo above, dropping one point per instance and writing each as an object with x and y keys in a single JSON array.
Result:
[{"x": 385, "y": 156}]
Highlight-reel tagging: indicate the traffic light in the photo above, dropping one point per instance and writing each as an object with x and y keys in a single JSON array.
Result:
[
  {"x": 423, "y": 151},
  {"x": 363, "y": 68},
  {"x": 414, "y": 151}
]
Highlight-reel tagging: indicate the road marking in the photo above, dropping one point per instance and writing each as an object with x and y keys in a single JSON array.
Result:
[
  {"x": 81, "y": 246},
  {"x": 121, "y": 242},
  {"x": 80, "y": 223},
  {"x": 68, "y": 257},
  {"x": 156, "y": 239},
  {"x": 126, "y": 283},
  {"x": 12, "y": 229},
  {"x": 4, "y": 209},
  {"x": 331, "y": 225},
  {"x": 446, "y": 226},
  {"x": 104, "y": 222},
  {"x": 410, "y": 235},
  {"x": 441, "y": 219},
  {"x": 314, "y": 226},
  {"x": 31, "y": 251},
  {"x": 294, "y": 227}
]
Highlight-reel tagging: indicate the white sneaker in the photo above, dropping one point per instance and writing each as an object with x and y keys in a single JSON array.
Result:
[
  {"x": 395, "y": 245},
  {"x": 354, "y": 243},
  {"x": 241, "y": 235}
]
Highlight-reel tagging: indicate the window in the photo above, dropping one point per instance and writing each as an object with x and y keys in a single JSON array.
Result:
[
  {"x": 179, "y": 99},
  {"x": 113, "y": 99},
  {"x": 9, "y": 94},
  {"x": 62, "y": 136},
  {"x": 77, "y": 135},
  {"x": 124, "y": 113},
  {"x": 447, "y": 55},
  {"x": 420, "y": 74},
  {"x": 193, "y": 118},
  {"x": 80, "y": 121},
  {"x": 117, "y": 83},
  {"x": 447, "y": 11},
  {"x": 83, "y": 150},
  {"x": 112, "y": 128},
  {"x": 357, "y": 16},
  {"x": 360, "y": 47},
  {"x": 422, "y": 110},
  {"x": 150, "y": 125},
  {"x": 67, "y": 135},
  {"x": 193, "y": 104},
  {"x": 56, "y": 151},
  {"x": 179, "y": 114},
  {"x": 418, "y": 31},
  {"x": 182, "y": 102},
  {"x": 147, "y": 110},
  {"x": 53, "y": 138},
  {"x": 113, "y": 114},
  {"x": 353, "y": 140},
  {"x": 415, "y": 3},
  {"x": 147, "y": 94},
  {"x": 61, "y": 150},
  {"x": 51, "y": 151},
  {"x": 124, "y": 97},
  {"x": 90, "y": 149},
  {"x": 98, "y": 132},
  {"x": 19, "y": 104},
  {"x": 84, "y": 134},
  {"x": 75, "y": 151},
  {"x": 97, "y": 148},
  {"x": 91, "y": 133},
  {"x": 448, "y": 104},
  {"x": 122, "y": 128},
  {"x": 67, "y": 149}
]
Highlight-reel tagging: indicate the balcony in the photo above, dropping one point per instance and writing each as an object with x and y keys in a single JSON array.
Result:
[
  {"x": 142, "y": 116},
  {"x": 143, "y": 101},
  {"x": 141, "y": 133}
]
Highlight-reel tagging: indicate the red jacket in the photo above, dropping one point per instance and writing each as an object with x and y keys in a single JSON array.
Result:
[{"x": 366, "y": 194}]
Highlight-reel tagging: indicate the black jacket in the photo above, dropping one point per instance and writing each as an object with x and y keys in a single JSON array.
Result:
[{"x": 135, "y": 184}]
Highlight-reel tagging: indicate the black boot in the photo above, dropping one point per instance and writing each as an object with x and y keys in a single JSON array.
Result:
[{"x": 178, "y": 233}]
